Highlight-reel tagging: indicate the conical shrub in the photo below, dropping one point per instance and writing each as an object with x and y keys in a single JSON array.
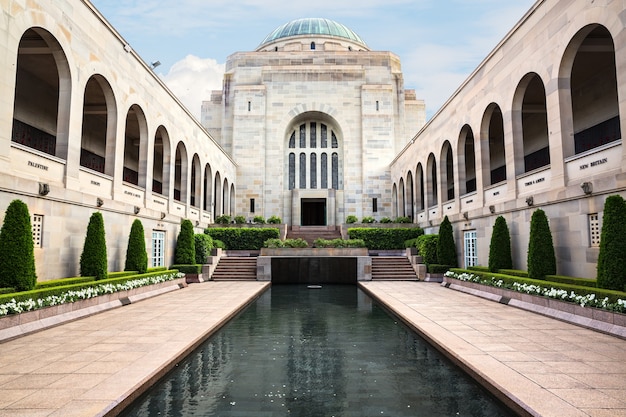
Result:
[
  {"x": 93, "y": 260},
  {"x": 612, "y": 257},
  {"x": 500, "y": 246},
  {"x": 136, "y": 255},
  {"x": 446, "y": 249},
  {"x": 541, "y": 259},
  {"x": 17, "y": 258},
  {"x": 185, "y": 244}
]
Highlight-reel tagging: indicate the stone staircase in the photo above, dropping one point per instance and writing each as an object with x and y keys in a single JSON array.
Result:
[
  {"x": 396, "y": 268},
  {"x": 310, "y": 233},
  {"x": 235, "y": 268}
]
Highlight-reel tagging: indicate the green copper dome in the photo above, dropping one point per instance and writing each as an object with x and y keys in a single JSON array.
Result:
[{"x": 313, "y": 26}]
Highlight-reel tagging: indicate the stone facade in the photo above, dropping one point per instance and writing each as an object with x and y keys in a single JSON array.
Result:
[{"x": 536, "y": 125}]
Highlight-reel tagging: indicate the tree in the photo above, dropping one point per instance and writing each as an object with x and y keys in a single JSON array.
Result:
[
  {"x": 204, "y": 245},
  {"x": 185, "y": 245},
  {"x": 541, "y": 260},
  {"x": 612, "y": 257},
  {"x": 93, "y": 260},
  {"x": 500, "y": 246},
  {"x": 136, "y": 255},
  {"x": 17, "y": 258},
  {"x": 446, "y": 249}
]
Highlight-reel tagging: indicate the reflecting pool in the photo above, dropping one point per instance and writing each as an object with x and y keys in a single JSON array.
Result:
[{"x": 331, "y": 351}]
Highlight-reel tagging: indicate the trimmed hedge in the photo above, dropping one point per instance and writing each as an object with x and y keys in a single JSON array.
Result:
[
  {"x": 513, "y": 272},
  {"x": 60, "y": 289},
  {"x": 204, "y": 245},
  {"x": 93, "y": 259},
  {"x": 438, "y": 269},
  {"x": 339, "y": 243},
  {"x": 185, "y": 244},
  {"x": 585, "y": 282},
  {"x": 427, "y": 248},
  {"x": 611, "y": 268},
  {"x": 17, "y": 259},
  {"x": 383, "y": 238},
  {"x": 136, "y": 255},
  {"x": 612, "y": 295},
  {"x": 446, "y": 248},
  {"x": 287, "y": 243},
  {"x": 188, "y": 268},
  {"x": 541, "y": 259},
  {"x": 500, "y": 246},
  {"x": 242, "y": 238}
]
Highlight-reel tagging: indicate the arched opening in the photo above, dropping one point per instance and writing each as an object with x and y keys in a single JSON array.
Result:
[
  {"x": 42, "y": 94},
  {"x": 593, "y": 85},
  {"x": 419, "y": 184},
  {"x": 529, "y": 110},
  {"x": 195, "y": 186},
  {"x": 431, "y": 167},
  {"x": 161, "y": 162},
  {"x": 447, "y": 171},
  {"x": 467, "y": 161},
  {"x": 180, "y": 173},
  {"x": 493, "y": 132},
  {"x": 231, "y": 199},
  {"x": 394, "y": 201},
  {"x": 135, "y": 139},
  {"x": 98, "y": 130},
  {"x": 217, "y": 195},
  {"x": 225, "y": 200},
  {"x": 410, "y": 203},
  {"x": 208, "y": 188},
  {"x": 401, "y": 198}
]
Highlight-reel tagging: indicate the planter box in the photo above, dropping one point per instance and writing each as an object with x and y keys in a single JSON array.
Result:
[
  {"x": 16, "y": 325},
  {"x": 313, "y": 252},
  {"x": 591, "y": 317}
]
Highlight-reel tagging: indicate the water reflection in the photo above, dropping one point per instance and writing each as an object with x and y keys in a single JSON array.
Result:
[{"x": 320, "y": 352}]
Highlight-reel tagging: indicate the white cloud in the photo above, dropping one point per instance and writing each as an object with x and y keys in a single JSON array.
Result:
[{"x": 192, "y": 79}]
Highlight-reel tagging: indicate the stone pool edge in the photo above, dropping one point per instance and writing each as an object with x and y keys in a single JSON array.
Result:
[
  {"x": 508, "y": 398},
  {"x": 124, "y": 401}
]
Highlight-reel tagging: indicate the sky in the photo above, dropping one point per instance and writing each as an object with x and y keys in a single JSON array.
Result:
[{"x": 439, "y": 42}]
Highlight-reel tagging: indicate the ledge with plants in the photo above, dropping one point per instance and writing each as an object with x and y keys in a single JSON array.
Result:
[
  {"x": 585, "y": 305},
  {"x": 52, "y": 302}
]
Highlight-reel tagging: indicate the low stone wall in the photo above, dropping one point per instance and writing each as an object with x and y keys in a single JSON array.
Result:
[
  {"x": 590, "y": 317},
  {"x": 16, "y": 325}
]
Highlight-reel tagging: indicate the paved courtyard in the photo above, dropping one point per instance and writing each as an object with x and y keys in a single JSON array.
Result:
[{"x": 90, "y": 366}]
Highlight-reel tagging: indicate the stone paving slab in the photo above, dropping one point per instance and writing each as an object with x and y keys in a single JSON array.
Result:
[
  {"x": 538, "y": 365},
  {"x": 95, "y": 365}
]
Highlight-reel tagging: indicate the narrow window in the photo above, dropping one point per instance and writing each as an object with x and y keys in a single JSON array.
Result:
[
  {"x": 594, "y": 230},
  {"x": 377, "y": 106},
  {"x": 302, "y": 171},
  {"x": 252, "y": 205},
  {"x": 292, "y": 171},
  {"x": 158, "y": 248},
  {"x": 335, "y": 171},
  {"x": 324, "y": 171},
  {"x": 313, "y": 135},
  {"x": 313, "y": 170},
  {"x": 37, "y": 226},
  {"x": 249, "y": 105},
  {"x": 375, "y": 205},
  {"x": 312, "y": 45},
  {"x": 302, "y": 136},
  {"x": 469, "y": 240}
]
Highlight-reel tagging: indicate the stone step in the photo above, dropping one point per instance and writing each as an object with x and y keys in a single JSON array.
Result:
[
  {"x": 235, "y": 269},
  {"x": 392, "y": 268}
]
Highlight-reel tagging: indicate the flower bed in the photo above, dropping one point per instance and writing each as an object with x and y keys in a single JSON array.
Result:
[
  {"x": 21, "y": 317},
  {"x": 585, "y": 310}
]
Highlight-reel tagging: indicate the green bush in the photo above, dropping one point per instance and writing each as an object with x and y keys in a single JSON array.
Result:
[
  {"x": 136, "y": 255},
  {"x": 382, "y": 238},
  {"x": 259, "y": 220},
  {"x": 351, "y": 219},
  {"x": 240, "y": 219},
  {"x": 274, "y": 220},
  {"x": 339, "y": 243},
  {"x": 367, "y": 220},
  {"x": 17, "y": 258},
  {"x": 402, "y": 219},
  {"x": 438, "y": 269},
  {"x": 611, "y": 266},
  {"x": 446, "y": 249},
  {"x": 427, "y": 248},
  {"x": 514, "y": 272},
  {"x": 500, "y": 246},
  {"x": 287, "y": 243},
  {"x": 244, "y": 238},
  {"x": 204, "y": 245},
  {"x": 411, "y": 243},
  {"x": 541, "y": 259},
  {"x": 219, "y": 244},
  {"x": 185, "y": 244},
  {"x": 386, "y": 220},
  {"x": 188, "y": 268},
  {"x": 478, "y": 268},
  {"x": 585, "y": 282},
  {"x": 223, "y": 219},
  {"x": 93, "y": 260}
]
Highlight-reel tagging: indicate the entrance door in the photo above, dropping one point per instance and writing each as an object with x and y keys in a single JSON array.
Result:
[{"x": 313, "y": 212}]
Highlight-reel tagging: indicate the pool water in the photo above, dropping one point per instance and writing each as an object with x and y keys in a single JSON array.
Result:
[{"x": 329, "y": 351}]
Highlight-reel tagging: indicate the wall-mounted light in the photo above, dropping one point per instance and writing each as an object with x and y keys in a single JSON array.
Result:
[
  {"x": 99, "y": 202},
  {"x": 44, "y": 189},
  {"x": 492, "y": 209},
  {"x": 197, "y": 222},
  {"x": 155, "y": 64},
  {"x": 465, "y": 215},
  {"x": 127, "y": 47},
  {"x": 530, "y": 200},
  {"x": 162, "y": 215},
  {"x": 587, "y": 187},
  {"x": 137, "y": 210}
]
